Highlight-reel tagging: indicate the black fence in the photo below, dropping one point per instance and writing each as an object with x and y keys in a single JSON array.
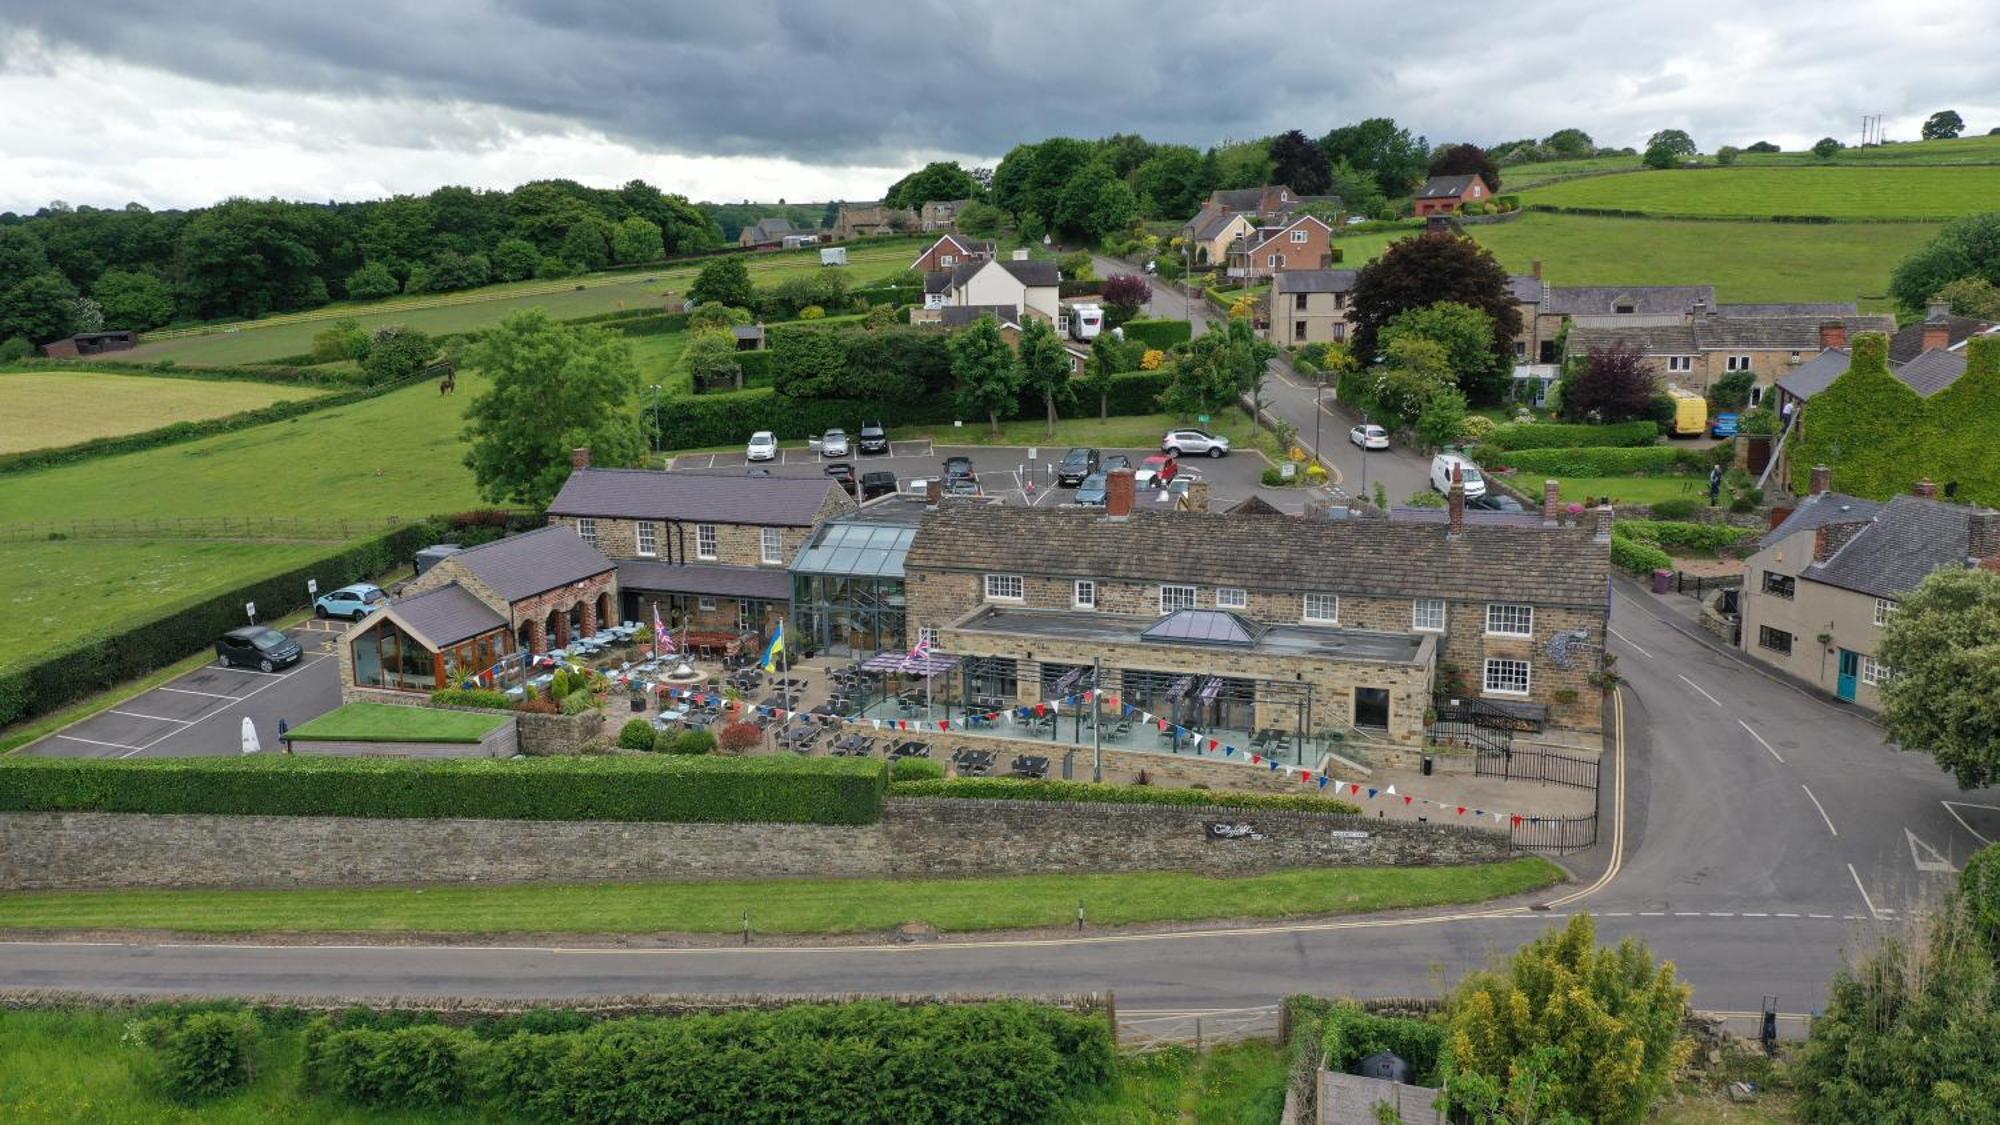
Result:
[
  {"x": 1538, "y": 765},
  {"x": 1554, "y": 835},
  {"x": 1527, "y": 718},
  {"x": 1457, "y": 732},
  {"x": 1698, "y": 586}
]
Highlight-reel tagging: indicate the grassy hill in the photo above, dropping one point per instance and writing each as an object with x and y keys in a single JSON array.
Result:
[
  {"x": 1927, "y": 192},
  {"x": 43, "y": 409}
]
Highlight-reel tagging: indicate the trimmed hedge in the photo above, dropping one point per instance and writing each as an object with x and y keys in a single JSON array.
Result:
[
  {"x": 283, "y": 374},
  {"x": 1562, "y": 435},
  {"x": 1161, "y": 334},
  {"x": 637, "y": 788},
  {"x": 1638, "y": 557},
  {"x": 473, "y": 697},
  {"x": 1686, "y": 536},
  {"x": 1595, "y": 461},
  {"x": 1020, "y": 789},
  {"x": 63, "y": 673}
]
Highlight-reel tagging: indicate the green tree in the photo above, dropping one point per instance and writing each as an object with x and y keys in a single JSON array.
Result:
[
  {"x": 585, "y": 246},
  {"x": 1243, "y": 164},
  {"x": 1673, "y": 140},
  {"x": 397, "y": 353},
  {"x": 553, "y": 388},
  {"x": 343, "y": 339},
  {"x": 1414, "y": 371},
  {"x": 723, "y": 281},
  {"x": 1604, "y": 1023},
  {"x": 1379, "y": 148},
  {"x": 1171, "y": 183},
  {"x": 980, "y": 219},
  {"x": 1095, "y": 202},
  {"x": 1660, "y": 157},
  {"x": 41, "y": 307},
  {"x": 453, "y": 271},
  {"x": 133, "y": 300},
  {"x": 1424, "y": 270},
  {"x": 637, "y": 240},
  {"x": 942, "y": 179},
  {"x": 21, "y": 256},
  {"x": 1465, "y": 160},
  {"x": 515, "y": 259},
  {"x": 711, "y": 359},
  {"x": 1359, "y": 193},
  {"x": 1570, "y": 143},
  {"x": 371, "y": 281},
  {"x": 247, "y": 258},
  {"x": 1826, "y": 148},
  {"x": 1442, "y": 414},
  {"x": 1108, "y": 356},
  {"x": 1943, "y": 646},
  {"x": 1727, "y": 154},
  {"x": 1967, "y": 247},
  {"x": 400, "y": 233},
  {"x": 1466, "y": 334},
  {"x": 1045, "y": 368},
  {"x": 1971, "y": 296},
  {"x": 989, "y": 379},
  {"x": 1299, "y": 163},
  {"x": 713, "y": 315},
  {"x": 1943, "y": 125}
]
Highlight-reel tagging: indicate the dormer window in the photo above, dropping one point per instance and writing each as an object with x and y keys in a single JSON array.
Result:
[{"x": 1622, "y": 307}]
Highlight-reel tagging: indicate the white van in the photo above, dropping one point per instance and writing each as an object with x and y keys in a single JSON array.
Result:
[{"x": 1444, "y": 463}]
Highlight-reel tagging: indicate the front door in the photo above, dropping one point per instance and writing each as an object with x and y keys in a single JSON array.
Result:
[
  {"x": 1371, "y": 708},
  {"x": 1850, "y": 671}
]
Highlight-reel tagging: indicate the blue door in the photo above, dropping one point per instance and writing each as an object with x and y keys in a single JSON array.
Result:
[{"x": 1850, "y": 671}]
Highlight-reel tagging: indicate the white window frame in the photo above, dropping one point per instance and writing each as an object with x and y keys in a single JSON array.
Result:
[
  {"x": 1192, "y": 597},
  {"x": 1420, "y": 618},
  {"x": 1232, "y": 597},
  {"x": 1084, "y": 595},
  {"x": 1736, "y": 363},
  {"x": 1501, "y": 615},
  {"x": 1307, "y": 615},
  {"x": 706, "y": 542},
  {"x": 1503, "y": 664},
  {"x": 1300, "y": 236},
  {"x": 946, "y": 261},
  {"x": 743, "y": 615},
  {"x": 1874, "y": 673},
  {"x": 771, "y": 545},
  {"x": 1680, "y": 363},
  {"x": 1275, "y": 261},
  {"x": 647, "y": 538},
  {"x": 999, "y": 585},
  {"x": 705, "y": 604},
  {"x": 1885, "y": 608},
  {"x": 586, "y": 530}
]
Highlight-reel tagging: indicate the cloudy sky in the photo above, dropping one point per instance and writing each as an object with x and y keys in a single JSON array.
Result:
[{"x": 179, "y": 103}]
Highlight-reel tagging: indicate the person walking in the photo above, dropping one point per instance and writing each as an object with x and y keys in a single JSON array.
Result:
[{"x": 1714, "y": 484}]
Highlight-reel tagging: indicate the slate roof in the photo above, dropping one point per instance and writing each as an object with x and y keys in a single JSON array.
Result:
[
  {"x": 958, "y": 316},
  {"x": 1603, "y": 300},
  {"x": 1796, "y": 308},
  {"x": 1316, "y": 281},
  {"x": 1927, "y": 374},
  {"x": 1526, "y": 289},
  {"x": 1032, "y": 272},
  {"x": 770, "y": 583},
  {"x": 1907, "y": 539},
  {"x": 1816, "y": 374},
  {"x": 1648, "y": 339},
  {"x": 1908, "y": 343},
  {"x": 521, "y": 566},
  {"x": 1932, "y": 371},
  {"x": 1210, "y": 221},
  {"x": 937, "y": 281},
  {"x": 1549, "y": 566},
  {"x": 1818, "y": 511},
  {"x": 1253, "y": 505},
  {"x": 1794, "y": 333},
  {"x": 771, "y": 230},
  {"x": 1246, "y": 199},
  {"x": 1445, "y": 187},
  {"x": 446, "y": 615},
  {"x": 693, "y": 497}
]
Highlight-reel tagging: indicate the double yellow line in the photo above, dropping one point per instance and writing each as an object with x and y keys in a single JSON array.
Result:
[{"x": 1617, "y": 806}]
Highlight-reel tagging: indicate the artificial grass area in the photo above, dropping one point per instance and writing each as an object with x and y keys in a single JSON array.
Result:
[
  {"x": 382, "y": 722},
  {"x": 836, "y": 906},
  {"x": 48, "y": 409}
]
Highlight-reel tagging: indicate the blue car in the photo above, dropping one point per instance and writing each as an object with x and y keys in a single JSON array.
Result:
[
  {"x": 1723, "y": 427},
  {"x": 351, "y": 602}
]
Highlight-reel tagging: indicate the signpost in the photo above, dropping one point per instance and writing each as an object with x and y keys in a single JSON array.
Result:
[{"x": 250, "y": 608}]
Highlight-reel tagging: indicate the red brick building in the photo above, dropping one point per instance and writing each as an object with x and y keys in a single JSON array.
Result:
[{"x": 1442, "y": 195}]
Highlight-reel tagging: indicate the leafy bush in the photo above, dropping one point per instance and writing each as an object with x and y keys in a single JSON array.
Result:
[
  {"x": 915, "y": 769},
  {"x": 1561, "y": 435},
  {"x": 577, "y": 702},
  {"x": 424, "y": 1065},
  {"x": 535, "y": 705},
  {"x": 1019, "y": 789},
  {"x": 1758, "y": 421},
  {"x": 1676, "y": 509},
  {"x": 739, "y": 737},
  {"x": 1590, "y": 461},
  {"x": 203, "y": 1054},
  {"x": 1638, "y": 557},
  {"x": 1685, "y": 536},
  {"x": 636, "y": 734},
  {"x": 1159, "y": 333},
  {"x": 1424, "y": 498},
  {"x": 706, "y": 789},
  {"x": 473, "y": 697},
  {"x": 1475, "y": 428},
  {"x": 689, "y": 742},
  {"x": 1272, "y": 478}
]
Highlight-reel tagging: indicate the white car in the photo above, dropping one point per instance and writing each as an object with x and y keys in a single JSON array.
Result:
[
  {"x": 1370, "y": 436},
  {"x": 763, "y": 447},
  {"x": 1186, "y": 443},
  {"x": 1441, "y": 470},
  {"x": 834, "y": 444}
]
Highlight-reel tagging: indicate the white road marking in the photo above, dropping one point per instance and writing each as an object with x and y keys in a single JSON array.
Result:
[
  {"x": 1786, "y": 915},
  {"x": 269, "y": 681},
  {"x": 1652, "y": 914},
  {"x": 1819, "y": 915},
  {"x": 1750, "y": 915},
  {"x": 1976, "y": 834},
  {"x": 155, "y": 718},
  {"x": 191, "y": 691},
  {"x": 1687, "y": 913},
  {"x": 1936, "y": 862},
  {"x": 1760, "y": 740},
  {"x": 1828, "y": 819},
  {"x": 1874, "y": 913},
  {"x": 95, "y": 742},
  {"x": 1629, "y": 641},
  {"x": 1698, "y": 687}
]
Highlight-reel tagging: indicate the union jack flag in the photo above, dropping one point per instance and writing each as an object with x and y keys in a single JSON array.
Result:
[
  {"x": 663, "y": 641},
  {"x": 919, "y": 653}
]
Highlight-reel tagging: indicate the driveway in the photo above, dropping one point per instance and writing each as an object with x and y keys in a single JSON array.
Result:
[
  {"x": 201, "y": 713},
  {"x": 1169, "y": 302},
  {"x": 1400, "y": 471}
]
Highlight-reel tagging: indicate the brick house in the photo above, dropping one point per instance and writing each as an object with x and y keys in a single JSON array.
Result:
[
  {"x": 1032, "y": 286},
  {"x": 1488, "y": 610},
  {"x": 1310, "y": 306},
  {"x": 1824, "y": 582},
  {"x": 1305, "y": 243},
  {"x": 709, "y": 550},
  {"x": 951, "y": 250},
  {"x": 1442, "y": 195}
]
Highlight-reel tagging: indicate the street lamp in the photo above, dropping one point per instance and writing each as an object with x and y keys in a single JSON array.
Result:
[
  {"x": 1364, "y": 453},
  {"x": 656, "y": 419}
]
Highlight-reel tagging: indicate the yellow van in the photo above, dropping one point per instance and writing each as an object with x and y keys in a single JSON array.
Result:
[{"x": 1690, "y": 413}]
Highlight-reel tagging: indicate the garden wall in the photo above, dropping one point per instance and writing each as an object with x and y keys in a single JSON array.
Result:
[
  {"x": 540, "y": 736},
  {"x": 916, "y": 837}
]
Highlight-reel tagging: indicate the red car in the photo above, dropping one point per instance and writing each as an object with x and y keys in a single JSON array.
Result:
[{"x": 1157, "y": 471}]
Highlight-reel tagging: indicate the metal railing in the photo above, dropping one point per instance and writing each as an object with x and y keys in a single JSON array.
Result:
[
  {"x": 1457, "y": 732},
  {"x": 1150, "y": 1030},
  {"x": 1537, "y": 765},
  {"x": 1554, "y": 835}
]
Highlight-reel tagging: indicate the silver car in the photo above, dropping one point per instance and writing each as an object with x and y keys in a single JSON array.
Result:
[
  {"x": 1188, "y": 443},
  {"x": 834, "y": 444}
]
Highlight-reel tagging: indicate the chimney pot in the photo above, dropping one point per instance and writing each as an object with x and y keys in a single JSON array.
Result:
[
  {"x": 1925, "y": 488},
  {"x": 1535, "y": 269},
  {"x": 1937, "y": 310},
  {"x": 579, "y": 458},
  {"x": 1822, "y": 479},
  {"x": 933, "y": 491},
  {"x": 1551, "y": 503},
  {"x": 1937, "y": 335},
  {"x": 1455, "y": 501},
  {"x": 1120, "y": 493},
  {"x": 1833, "y": 334}
]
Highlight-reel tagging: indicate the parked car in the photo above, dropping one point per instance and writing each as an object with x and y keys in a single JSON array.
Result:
[
  {"x": 877, "y": 484},
  {"x": 351, "y": 602},
  {"x": 1077, "y": 464},
  {"x": 1369, "y": 436},
  {"x": 1724, "y": 425},
  {"x": 959, "y": 467},
  {"x": 1444, "y": 463},
  {"x": 874, "y": 439},
  {"x": 963, "y": 486},
  {"x": 1178, "y": 442},
  {"x": 1156, "y": 471},
  {"x": 1494, "y": 502},
  {"x": 257, "y": 646},
  {"x": 843, "y": 472},
  {"x": 1114, "y": 462},
  {"x": 763, "y": 447},
  {"x": 834, "y": 444},
  {"x": 1090, "y": 491}
]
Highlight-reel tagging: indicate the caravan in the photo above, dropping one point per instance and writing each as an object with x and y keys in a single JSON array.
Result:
[{"x": 1085, "y": 321}]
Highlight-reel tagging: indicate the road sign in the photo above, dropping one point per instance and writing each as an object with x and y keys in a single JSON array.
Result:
[
  {"x": 1202, "y": 418},
  {"x": 312, "y": 587},
  {"x": 250, "y": 608}
]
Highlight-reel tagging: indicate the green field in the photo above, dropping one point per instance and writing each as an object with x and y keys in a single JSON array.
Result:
[
  {"x": 46, "y": 409},
  {"x": 1964, "y": 150},
  {"x": 382, "y": 722},
  {"x": 658, "y": 358},
  {"x": 1748, "y": 261},
  {"x": 1520, "y": 177},
  {"x": 1228, "y": 1084},
  {"x": 787, "y": 906},
  {"x": 50, "y": 591},
  {"x": 1908, "y": 193},
  {"x": 275, "y": 337}
]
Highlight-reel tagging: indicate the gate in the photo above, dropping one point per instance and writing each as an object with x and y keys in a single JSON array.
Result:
[
  {"x": 1538, "y": 765},
  {"x": 1554, "y": 835}
]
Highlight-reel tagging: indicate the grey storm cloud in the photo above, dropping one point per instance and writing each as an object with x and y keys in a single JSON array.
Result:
[{"x": 850, "y": 83}]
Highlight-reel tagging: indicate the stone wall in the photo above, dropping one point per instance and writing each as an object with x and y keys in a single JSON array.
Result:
[{"x": 915, "y": 838}]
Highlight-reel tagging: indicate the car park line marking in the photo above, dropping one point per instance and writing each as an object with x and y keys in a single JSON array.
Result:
[
  {"x": 1828, "y": 819},
  {"x": 1782, "y": 915},
  {"x": 1936, "y": 862},
  {"x": 1629, "y": 641},
  {"x": 191, "y": 691},
  {"x": 95, "y": 742},
  {"x": 270, "y": 681},
  {"x": 1698, "y": 687},
  {"x": 1976, "y": 834},
  {"x": 155, "y": 718},
  {"x": 1760, "y": 740},
  {"x": 1874, "y": 913}
]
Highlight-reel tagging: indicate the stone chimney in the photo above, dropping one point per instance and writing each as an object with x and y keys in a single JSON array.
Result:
[
  {"x": 1833, "y": 334},
  {"x": 1937, "y": 335},
  {"x": 1822, "y": 479},
  {"x": 1119, "y": 494},
  {"x": 579, "y": 458},
  {"x": 1982, "y": 536},
  {"x": 1937, "y": 310},
  {"x": 1925, "y": 488},
  {"x": 933, "y": 491},
  {"x": 1535, "y": 269},
  {"x": 1196, "y": 499},
  {"x": 1604, "y": 516},
  {"x": 1455, "y": 501},
  {"x": 1701, "y": 309},
  {"x": 1551, "y": 503}
]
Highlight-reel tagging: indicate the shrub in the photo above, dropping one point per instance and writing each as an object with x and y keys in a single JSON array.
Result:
[
  {"x": 1474, "y": 428},
  {"x": 1272, "y": 478},
  {"x": 424, "y": 1065},
  {"x": 473, "y": 697},
  {"x": 812, "y": 312},
  {"x": 636, "y": 734},
  {"x": 739, "y": 737},
  {"x": 625, "y": 788},
  {"x": 1758, "y": 421},
  {"x": 1159, "y": 334},
  {"x": 202, "y": 1055},
  {"x": 688, "y": 742},
  {"x": 1561, "y": 435},
  {"x": 915, "y": 769},
  {"x": 577, "y": 702},
  {"x": 1638, "y": 557},
  {"x": 1017, "y": 789},
  {"x": 15, "y": 348},
  {"x": 1587, "y": 461},
  {"x": 1424, "y": 498},
  {"x": 1677, "y": 509},
  {"x": 538, "y": 706},
  {"x": 1685, "y": 536}
]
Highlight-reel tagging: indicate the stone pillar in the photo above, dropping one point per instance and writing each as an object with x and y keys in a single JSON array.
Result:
[
  {"x": 538, "y": 636},
  {"x": 590, "y": 617}
]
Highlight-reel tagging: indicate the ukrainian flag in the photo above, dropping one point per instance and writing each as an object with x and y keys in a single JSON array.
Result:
[{"x": 777, "y": 647}]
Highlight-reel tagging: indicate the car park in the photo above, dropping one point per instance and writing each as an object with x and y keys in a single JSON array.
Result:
[
  {"x": 1156, "y": 471},
  {"x": 843, "y": 472},
  {"x": 1192, "y": 442},
  {"x": 1724, "y": 425},
  {"x": 1090, "y": 491},
  {"x": 959, "y": 467},
  {"x": 1441, "y": 471},
  {"x": 834, "y": 444},
  {"x": 350, "y": 602},
  {"x": 1115, "y": 462},
  {"x": 257, "y": 646},
  {"x": 873, "y": 439},
  {"x": 1494, "y": 502},
  {"x": 1369, "y": 436},
  {"x": 1077, "y": 464},
  {"x": 763, "y": 447},
  {"x": 877, "y": 484}
]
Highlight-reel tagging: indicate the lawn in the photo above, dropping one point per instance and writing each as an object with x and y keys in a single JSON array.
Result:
[
  {"x": 382, "y": 722},
  {"x": 836, "y": 906},
  {"x": 1230, "y": 1084},
  {"x": 55, "y": 590},
  {"x": 1918, "y": 193},
  {"x": 1748, "y": 261},
  {"x": 1964, "y": 150},
  {"x": 1519, "y": 177},
  {"x": 1621, "y": 490},
  {"x": 45, "y": 409},
  {"x": 658, "y": 358}
]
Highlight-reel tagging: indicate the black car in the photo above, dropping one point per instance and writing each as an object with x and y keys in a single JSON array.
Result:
[
  {"x": 1077, "y": 464},
  {"x": 1493, "y": 501},
  {"x": 844, "y": 473},
  {"x": 877, "y": 484},
  {"x": 258, "y": 646},
  {"x": 1115, "y": 462},
  {"x": 874, "y": 438},
  {"x": 959, "y": 468}
]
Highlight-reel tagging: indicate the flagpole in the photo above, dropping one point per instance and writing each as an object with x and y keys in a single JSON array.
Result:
[{"x": 927, "y": 676}]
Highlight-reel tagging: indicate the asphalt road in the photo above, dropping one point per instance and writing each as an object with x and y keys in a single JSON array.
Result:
[{"x": 1400, "y": 471}]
